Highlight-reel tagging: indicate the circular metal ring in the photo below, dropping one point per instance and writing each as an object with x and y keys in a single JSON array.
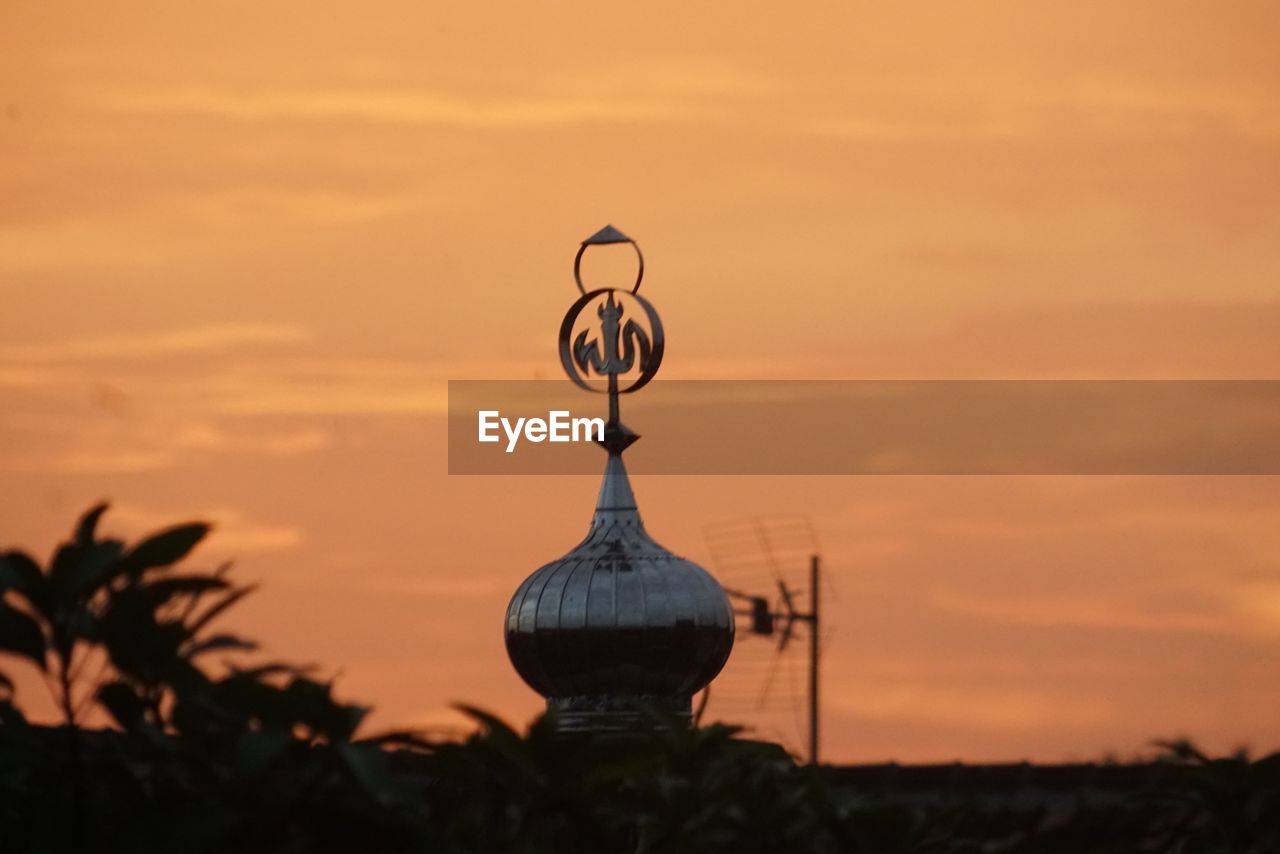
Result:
[
  {"x": 657, "y": 343},
  {"x": 577, "y": 267}
]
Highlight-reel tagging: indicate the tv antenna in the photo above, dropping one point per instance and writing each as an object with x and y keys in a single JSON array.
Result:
[{"x": 749, "y": 554}]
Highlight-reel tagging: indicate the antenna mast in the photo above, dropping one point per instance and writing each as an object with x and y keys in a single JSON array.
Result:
[
  {"x": 763, "y": 620},
  {"x": 814, "y": 592}
]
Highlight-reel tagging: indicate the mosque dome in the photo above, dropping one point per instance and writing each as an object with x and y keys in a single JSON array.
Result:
[{"x": 618, "y": 621}]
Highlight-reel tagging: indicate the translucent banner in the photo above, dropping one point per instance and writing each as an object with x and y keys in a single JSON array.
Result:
[{"x": 889, "y": 427}]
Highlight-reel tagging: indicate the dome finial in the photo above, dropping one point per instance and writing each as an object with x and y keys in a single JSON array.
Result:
[
  {"x": 622, "y": 338},
  {"x": 619, "y": 620}
]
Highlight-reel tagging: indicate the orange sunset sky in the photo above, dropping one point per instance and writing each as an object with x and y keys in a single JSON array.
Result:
[{"x": 243, "y": 246}]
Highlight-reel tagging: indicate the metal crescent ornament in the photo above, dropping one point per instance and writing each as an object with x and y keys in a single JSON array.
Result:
[{"x": 619, "y": 347}]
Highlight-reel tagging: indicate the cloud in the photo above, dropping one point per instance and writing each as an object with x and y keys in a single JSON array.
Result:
[
  {"x": 211, "y": 338},
  {"x": 996, "y": 708},
  {"x": 1259, "y": 600},
  {"x": 104, "y": 461},
  {"x": 1002, "y": 109},
  {"x": 20, "y": 376},
  {"x": 279, "y": 396},
  {"x": 272, "y": 206},
  {"x": 207, "y": 436},
  {"x": 233, "y": 531},
  {"x": 1087, "y": 339},
  {"x": 439, "y": 585},
  {"x": 1250, "y": 611},
  {"x": 132, "y": 445},
  {"x": 387, "y": 106},
  {"x": 651, "y": 89}
]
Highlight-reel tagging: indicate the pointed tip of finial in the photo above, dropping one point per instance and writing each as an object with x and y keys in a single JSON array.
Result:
[{"x": 608, "y": 234}]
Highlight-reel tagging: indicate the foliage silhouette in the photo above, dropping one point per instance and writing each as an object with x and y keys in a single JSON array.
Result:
[{"x": 253, "y": 757}]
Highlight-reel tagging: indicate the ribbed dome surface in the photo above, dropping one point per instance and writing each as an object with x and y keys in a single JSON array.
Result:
[{"x": 619, "y": 617}]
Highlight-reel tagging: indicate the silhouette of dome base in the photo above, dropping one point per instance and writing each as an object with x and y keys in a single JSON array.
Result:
[{"x": 619, "y": 713}]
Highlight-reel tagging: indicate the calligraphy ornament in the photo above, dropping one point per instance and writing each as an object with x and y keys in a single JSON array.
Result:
[{"x": 625, "y": 338}]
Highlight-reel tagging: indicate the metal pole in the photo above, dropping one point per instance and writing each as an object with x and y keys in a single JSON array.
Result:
[
  {"x": 813, "y": 660},
  {"x": 613, "y": 398}
]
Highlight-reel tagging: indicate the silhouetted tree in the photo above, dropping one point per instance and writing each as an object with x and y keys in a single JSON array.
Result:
[{"x": 261, "y": 757}]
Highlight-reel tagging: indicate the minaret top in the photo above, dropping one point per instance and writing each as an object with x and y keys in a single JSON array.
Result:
[{"x": 618, "y": 621}]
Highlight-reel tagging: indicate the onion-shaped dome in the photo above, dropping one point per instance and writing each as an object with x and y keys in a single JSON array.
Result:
[{"x": 618, "y": 620}]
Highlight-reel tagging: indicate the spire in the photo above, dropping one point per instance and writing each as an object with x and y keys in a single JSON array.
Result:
[{"x": 617, "y": 503}]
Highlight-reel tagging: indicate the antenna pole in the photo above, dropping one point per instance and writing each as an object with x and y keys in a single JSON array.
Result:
[
  {"x": 767, "y": 622},
  {"x": 813, "y": 659}
]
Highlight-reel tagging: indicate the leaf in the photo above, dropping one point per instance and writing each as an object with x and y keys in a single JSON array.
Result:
[
  {"x": 21, "y": 635},
  {"x": 86, "y": 528},
  {"x": 489, "y": 721},
  {"x": 20, "y": 573},
  {"x": 164, "y": 589},
  {"x": 221, "y": 605},
  {"x": 369, "y": 768},
  {"x": 123, "y": 704},
  {"x": 253, "y": 699},
  {"x": 405, "y": 739},
  {"x": 353, "y": 715},
  {"x": 1182, "y": 750},
  {"x": 10, "y": 715},
  {"x": 138, "y": 644},
  {"x": 504, "y": 740},
  {"x": 220, "y": 642},
  {"x": 255, "y": 752},
  {"x": 79, "y": 570},
  {"x": 75, "y": 623},
  {"x": 164, "y": 548},
  {"x": 275, "y": 668}
]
